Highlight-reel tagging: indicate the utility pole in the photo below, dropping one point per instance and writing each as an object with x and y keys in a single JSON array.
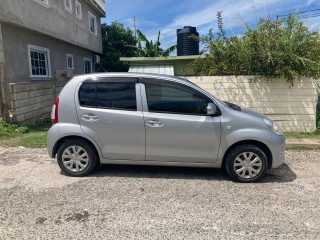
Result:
[{"x": 135, "y": 27}]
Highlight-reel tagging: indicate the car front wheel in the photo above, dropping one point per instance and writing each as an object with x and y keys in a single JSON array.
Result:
[{"x": 246, "y": 163}]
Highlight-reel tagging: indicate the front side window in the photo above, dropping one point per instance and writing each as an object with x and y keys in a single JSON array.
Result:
[
  {"x": 115, "y": 95},
  {"x": 39, "y": 61},
  {"x": 175, "y": 98},
  {"x": 92, "y": 23},
  {"x": 87, "y": 65}
]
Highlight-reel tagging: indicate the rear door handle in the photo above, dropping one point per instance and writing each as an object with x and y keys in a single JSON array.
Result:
[
  {"x": 154, "y": 123},
  {"x": 90, "y": 117}
]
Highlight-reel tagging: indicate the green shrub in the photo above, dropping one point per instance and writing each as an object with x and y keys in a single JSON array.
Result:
[
  {"x": 7, "y": 129},
  {"x": 280, "y": 48},
  {"x": 22, "y": 130}
]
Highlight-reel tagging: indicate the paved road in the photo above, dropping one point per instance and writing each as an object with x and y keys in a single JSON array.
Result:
[{"x": 125, "y": 202}]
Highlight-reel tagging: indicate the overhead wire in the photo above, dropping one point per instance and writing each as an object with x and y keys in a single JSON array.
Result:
[{"x": 300, "y": 12}]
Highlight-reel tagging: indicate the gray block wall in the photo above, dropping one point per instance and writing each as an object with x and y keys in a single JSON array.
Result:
[{"x": 31, "y": 102}]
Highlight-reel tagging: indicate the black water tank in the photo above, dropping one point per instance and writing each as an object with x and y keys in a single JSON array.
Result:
[{"x": 187, "y": 46}]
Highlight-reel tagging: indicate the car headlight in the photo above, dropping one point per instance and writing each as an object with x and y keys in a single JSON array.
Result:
[{"x": 273, "y": 126}]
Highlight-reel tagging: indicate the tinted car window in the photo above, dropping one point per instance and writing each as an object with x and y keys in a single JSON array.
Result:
[
  {"x": 172, "y": 98},
  {"x": 116, "y": 96},
  {"x": 108, "y": 95},
  {"x": 87, "y": 95}
]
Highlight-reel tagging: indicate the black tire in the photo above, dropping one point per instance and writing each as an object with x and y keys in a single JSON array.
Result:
[
  {"x": 83, "y": 147},
  {"x": 246, "y": 168}
]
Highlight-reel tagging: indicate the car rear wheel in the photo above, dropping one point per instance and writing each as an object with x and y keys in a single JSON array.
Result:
[
  {"x": 76, "y": 158},
  {"x": 246, "y": 163}
]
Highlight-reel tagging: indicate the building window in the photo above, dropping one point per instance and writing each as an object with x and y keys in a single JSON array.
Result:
[
  {"x": 68, "y": 5},
  {"x": 87, "y": 65},
  {"x": 70, "y": 63},
  {"x": 92, "y": 23},
  {"x": 43, "y": 2},
  {"x": 39, "y": 61},
  {"x": 78, "y": 10}
]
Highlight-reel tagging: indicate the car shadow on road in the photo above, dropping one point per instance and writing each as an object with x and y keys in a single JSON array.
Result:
[
  {"x": 137, "y": 171},
  {"x": 281, "y": 174}
]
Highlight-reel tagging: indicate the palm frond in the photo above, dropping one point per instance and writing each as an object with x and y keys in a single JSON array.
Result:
[{"x": 169, "y": 50}]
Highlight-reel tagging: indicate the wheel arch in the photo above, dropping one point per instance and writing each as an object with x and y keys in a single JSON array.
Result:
[
  {"x": 259, "y": 144},
  {"x": 74, "y": 137}
]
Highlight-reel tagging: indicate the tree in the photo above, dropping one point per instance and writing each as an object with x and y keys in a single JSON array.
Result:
[
  {"x": 116, "y": 40},
  {"x": 146, "y": 48},
  {"x": 280, "y": 48}
]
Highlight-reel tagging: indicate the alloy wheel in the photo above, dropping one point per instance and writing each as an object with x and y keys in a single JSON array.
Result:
[
  {"x": 75, "y": 158},
  {"x": 247, "y": 165}
]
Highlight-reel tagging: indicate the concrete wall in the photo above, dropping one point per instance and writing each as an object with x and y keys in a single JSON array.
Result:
[
  {"x": 54, "y": 20},
  {"x": 2, "y": 78},
  {"x": 32, "y": 101},
  {"x": 101, "y": 4},
  {"x": 293, "y": 108},
  {"x": 15, "y": 42}
]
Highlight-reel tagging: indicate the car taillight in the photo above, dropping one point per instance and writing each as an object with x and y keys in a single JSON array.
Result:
[{"x": 54, "y": 112}]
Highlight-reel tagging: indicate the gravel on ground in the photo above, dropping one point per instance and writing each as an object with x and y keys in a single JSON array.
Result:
[{"x": 137, "y": 202}]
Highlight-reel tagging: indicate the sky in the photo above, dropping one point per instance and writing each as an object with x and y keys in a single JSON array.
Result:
[{"x": 168, "y": 15}]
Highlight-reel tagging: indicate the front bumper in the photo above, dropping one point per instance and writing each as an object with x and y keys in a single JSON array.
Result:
[{"x": 278, "y": 150}]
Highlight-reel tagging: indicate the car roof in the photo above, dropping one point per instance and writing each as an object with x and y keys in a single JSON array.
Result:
[{"x": 94, "y": 76}]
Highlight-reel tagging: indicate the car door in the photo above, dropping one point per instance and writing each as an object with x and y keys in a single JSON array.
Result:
[
  {"x": 177, "y": 126},
  {"x": 110, "y": 112}
]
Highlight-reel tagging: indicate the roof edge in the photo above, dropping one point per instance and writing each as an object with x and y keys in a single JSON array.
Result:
[
  {"x": 150, "y": 59},
  {"x": 97, "y": 6}
]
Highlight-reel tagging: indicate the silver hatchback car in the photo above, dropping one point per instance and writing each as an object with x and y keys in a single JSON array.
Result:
[{"x": 147, "y": 119}]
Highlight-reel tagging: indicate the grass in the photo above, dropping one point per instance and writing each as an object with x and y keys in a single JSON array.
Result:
[
  {"x": 33, "y": 136},
  {"x": 302, "y": 148},
  {"x": 315, "y": 135}
]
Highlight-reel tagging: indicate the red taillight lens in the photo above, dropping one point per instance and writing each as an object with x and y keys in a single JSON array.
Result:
[{"x": 54, "y": 112}]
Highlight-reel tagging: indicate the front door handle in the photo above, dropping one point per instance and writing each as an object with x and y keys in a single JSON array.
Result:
[
  {"x": 90, "y": 117},
  {"x": 154, "y": 123}
]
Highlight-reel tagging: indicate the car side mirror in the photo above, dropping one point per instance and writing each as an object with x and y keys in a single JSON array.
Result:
[{"x": 211, "y": 109}]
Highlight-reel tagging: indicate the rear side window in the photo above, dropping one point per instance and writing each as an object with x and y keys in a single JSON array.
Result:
[
  {"x": 116, "y": 96},
  {"x": 111, "y": 95},
  {"x": 87, "y": 95}
]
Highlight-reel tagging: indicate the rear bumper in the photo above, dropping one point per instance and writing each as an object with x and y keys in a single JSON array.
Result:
[
  {"x": 278, "y": 150},
  {"x": 53, "y": 136}
]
